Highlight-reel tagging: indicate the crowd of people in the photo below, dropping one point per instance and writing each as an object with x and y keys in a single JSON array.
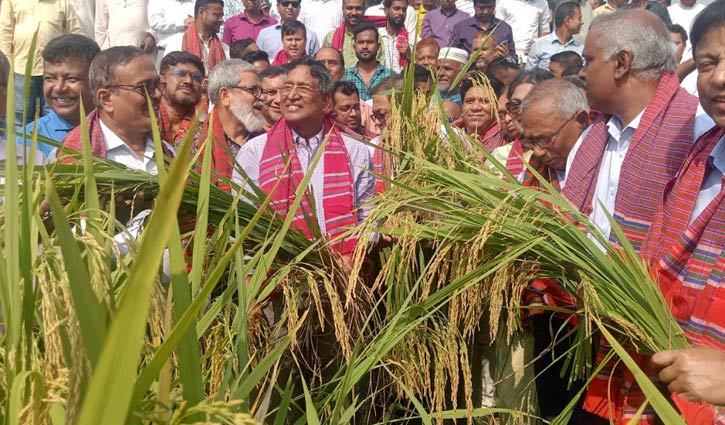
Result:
[{"x": 620, "y": 106}]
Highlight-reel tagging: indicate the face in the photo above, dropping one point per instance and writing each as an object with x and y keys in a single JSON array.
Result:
[
  {"x": 429, "y": 4},
  {"x": 183, "y": 85},
  {"x": 599, "y": 75},
  {"x": 550, "y": 137},
  {"x": 65, "y": 86},
  {"x": 126, "y": 104},
  {"x": 294, "y": 45},
  {"x": 352, "y": 12},
  {"x": 447, "y": 4},
  {"x": 688, "y": 3},
  {"x": 302, "y": 101},
  {"x": 272, "y": 98},
  {"x": 242, "y": 103},
  {"x": 484, "y": 11},
  {"x": 477, "y": 111},
  {"x": 427, "y": 56},
  {"x": 331, "y": 59},
  {"x": 556, "y": 68},
  {"x": 447, "y": 71},
  {"x": 575, "y": 23},
  {"x": 710, "y": 60},
  {"x": 396, "y": 13},
  {"x": 252, "y": 5},
  {"x": 507, "y": 123},
  {"x": 679, "y": 45},
  {"x": 347, "y": 109},
  {"x": 288, "y": 9},
  {"x": 212, "y": 17},
  {"x": 486, "y": 54},
  {"x": 367, "y": 46},
  {"x": 514, "y": 104},
  {"x": 381, "y": 110}
]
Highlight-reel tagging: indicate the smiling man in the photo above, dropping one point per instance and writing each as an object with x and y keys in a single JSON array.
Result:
[
  {"x": 276, "y": 162},
  {"x": 65, "y": 85},
  {"x": 183, "y": 74},
  {"x": 272, "y": 80},
  {"x": 201, "y": 37}
]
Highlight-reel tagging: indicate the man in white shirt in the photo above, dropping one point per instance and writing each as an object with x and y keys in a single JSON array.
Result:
[
  {"x": 86, "y": 12},
  {"x": 396, "y": 46},
  {"x": 321, "y": 16},
  {"x": 683, "y": 13},
  {"x": 529, "y": 20},
  {"x": 169, "y": 17},
  {"x": 124, "y": 23}
]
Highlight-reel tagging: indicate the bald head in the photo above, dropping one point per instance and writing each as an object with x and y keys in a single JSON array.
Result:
[
  {"x": 333, "y": 61},
  {"x": 640, "y": 34}
]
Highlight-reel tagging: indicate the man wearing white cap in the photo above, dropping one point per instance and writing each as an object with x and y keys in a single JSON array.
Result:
[{"x": 450, "y": 63}]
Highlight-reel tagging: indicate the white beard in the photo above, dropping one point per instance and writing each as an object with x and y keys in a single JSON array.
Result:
[{"x": 246, "y": 115}]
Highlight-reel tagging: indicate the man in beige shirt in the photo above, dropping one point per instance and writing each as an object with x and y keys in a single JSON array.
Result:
[{"x": 19, "y": 19}]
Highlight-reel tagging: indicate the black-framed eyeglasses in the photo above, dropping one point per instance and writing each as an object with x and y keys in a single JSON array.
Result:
[
  {"x": 346, "y": 109},
  {"x": 255, "y": 91},
  {"x": 270, "y": 92},
  {"x": 513, "y": 107},
  {"x": 530, "y": 142},
  {"x": 380, "y": 116},
  {"x": 143, "y": 89},
  {"x": 196, "y": 77},
  {"x": 294, "y": 4}
]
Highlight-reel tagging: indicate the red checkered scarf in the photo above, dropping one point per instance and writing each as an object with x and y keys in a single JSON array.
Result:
[
  {"x": 379, "y": 158},
  {"x": 490, "y": 140},
  {"x": 98, "y": 142},
  {"x": 656, "y": 152},
  {"x": 515, "y": 160},
  {"x": 280, "y": 173},
  {"x": 281, "y": 58},
  {"x": 338, "y": 37},
  {"x": 222, "y": 162},
  {"x": 167, "y": 130},
  {"x": 192, "y": 43},
  {"x": 530, "y": 180}
]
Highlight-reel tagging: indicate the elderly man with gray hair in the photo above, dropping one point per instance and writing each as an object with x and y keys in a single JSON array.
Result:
[
  {"x": 234, "y": 90},
  {"x": 621, "y": 164},
  {"x": 340, "y": 187}
]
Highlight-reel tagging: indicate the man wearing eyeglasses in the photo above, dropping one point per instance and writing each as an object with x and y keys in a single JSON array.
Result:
[
  {"x": 272, "y": 80},
  {"x": 340, "y": 187},
  {"x": 183, "y": 74},
  {"x": 234, "y": 91},
  {"x": 270, "y": 38},
  {"x": 121, "y": 79}
]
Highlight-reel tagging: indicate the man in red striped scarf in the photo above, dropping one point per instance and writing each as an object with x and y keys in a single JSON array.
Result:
[
  {"x": 686, "y": 242},
  {"x": 183, "y": 74},
  {"x": 623, "y": 161},
  {"x": 340, "y": 188},
  {"x": 235, "y": 91}
]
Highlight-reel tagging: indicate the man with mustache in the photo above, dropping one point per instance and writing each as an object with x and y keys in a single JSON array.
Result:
[
  {"x": 233, "y": 90},
  {"x": 368, "y": 72},
  {"x": 183, "y": 74},
  {"x": 201, "y": 36},
  {"x": 247, "y": 24},
  {"x": 342, "y": 39},
  {"x": 65, "y": 85},
  {"x": 272, "y": 80},
  {"x": 395, "y": 38},
  {"x": 340, "y": 187}
]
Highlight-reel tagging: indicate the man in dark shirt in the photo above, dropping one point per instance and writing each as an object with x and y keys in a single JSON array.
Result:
[{"x": 484, "y": 20}]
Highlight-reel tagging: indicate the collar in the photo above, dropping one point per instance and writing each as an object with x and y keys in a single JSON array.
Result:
[
  {"x": 614, "y": 125},
  {"x": 245, "y": 17},
  {"x": 555, "y": 39},
  {"x": 491, "y": 24},
  {"x": 717, "y": 156},
  {"x": 59, "y": 123},
  {"x": 113, "y": 141},
  {"x": 314, "y": 140},
  {"x": 455, "y": 11}
]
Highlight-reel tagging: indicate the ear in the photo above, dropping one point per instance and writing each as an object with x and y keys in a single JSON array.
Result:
[
  {"x": 622, "y": 64},
  {"x": 103, "y": 98},
  {"x": 582, "y": 118},
  {"x": 224, "y": 98},
  {"x": 327, "y": 104}
]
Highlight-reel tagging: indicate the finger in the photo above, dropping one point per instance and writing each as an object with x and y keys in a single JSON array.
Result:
[
  {"x": 664, "y": 358},
  {"x": 668, "y": 375}
]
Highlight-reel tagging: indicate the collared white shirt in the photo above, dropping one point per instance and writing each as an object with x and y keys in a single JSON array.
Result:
[
  {"x": 250, "y": 156},
  {"x": 121, "y": 22},
  {"x": 166, "y": 17},
  {"x": 321, "y": 16},
  {"x": 529, "y": 19},
  {"x": 712, "y": 184},
  {"x": 391, "y": 55},
  {"x": 118, "y": 151}
]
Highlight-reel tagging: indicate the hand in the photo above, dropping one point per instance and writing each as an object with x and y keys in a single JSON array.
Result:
[
  {"x": 188, "y": 21},
  {"x": 502, "y": 50},
  {"x": 149, "y": 43},
  {"x": 127, "y": 206},
  {"x": 695, "y": 374},
  {"x": 404, "y": 49}
]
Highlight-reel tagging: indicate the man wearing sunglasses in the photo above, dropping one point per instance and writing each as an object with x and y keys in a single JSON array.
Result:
[
  {"x": 183, "y": 74},
  {"x": 270, "y": 38},
  {"x": 235, "y": 92}
]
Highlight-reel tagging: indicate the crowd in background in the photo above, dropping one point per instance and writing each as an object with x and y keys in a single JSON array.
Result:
[{"x": 601, "y": 100}]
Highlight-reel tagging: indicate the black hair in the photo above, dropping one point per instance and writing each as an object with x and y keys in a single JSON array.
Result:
[
  {"x": 102, "y": 72},
  {"x": 204, "y": 3},
  {"x": 348, "y": 88},
  {"x": 365, "y": 26},
  {"x": 677, "y": 29},
  {"x": 256, "y": 56},
  {"x": 534, "y": 76},
  {"x": 272, "y": 71},
  {"x": 318, "y": 71},
  {"x": 71, "y": 46},
  {"x": 388, "y": 3},
  {"x": 712, "y": 17},
  {"x": 238, "y": 48},
  {"x": 292, "y": 27},
  {"x": 567, "y": 58},
  {"x": 478, "y": 78},
  {"x": 422, "y": 73},
  {"x": 475, "y": 2},
  {"x": 565, "y": 10},
  {"x": 571, "y": 71},
  {"x": 175, "y": 58},
  {"x": 502, "y": 64}
]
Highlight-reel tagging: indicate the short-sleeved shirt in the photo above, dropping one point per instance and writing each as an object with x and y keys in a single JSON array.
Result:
[
  {"x": 466, "y": 30},
  {"x": 242, "y": 26},
  {"x": 348, "y": 48},
  {"x": 51, "y": 126},
  {"x": 439, "y": 27},
  {"x": 381, "y": 73},
  {"x": 528, "y": 19},
  {"x": 545, "y": 47}
]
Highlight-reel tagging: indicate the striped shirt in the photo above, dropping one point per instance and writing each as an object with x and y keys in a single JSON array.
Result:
[{"x": 381, "y": 73}]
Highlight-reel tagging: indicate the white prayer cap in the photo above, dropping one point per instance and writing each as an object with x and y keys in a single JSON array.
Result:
[{"x": 453, "y": 53}]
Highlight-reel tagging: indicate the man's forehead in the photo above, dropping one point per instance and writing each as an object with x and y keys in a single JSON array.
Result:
[
  {"x": 273, "y": 81},
  {"x": 249, "y": 76},
  {"x": 346, "y": 98},
  {"x": 138, "y": 69}
]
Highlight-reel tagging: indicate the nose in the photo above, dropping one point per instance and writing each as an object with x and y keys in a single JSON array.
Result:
[{"x": 60, "y": 84}]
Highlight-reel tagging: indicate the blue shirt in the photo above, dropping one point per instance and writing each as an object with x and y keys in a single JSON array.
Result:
[
  {"x": 712, "y": 183},
  {"x": 270, "y": 40},
  {"x": 545, "y": 47},
  {"x": 380, "y": 74},
  {"x": 51, "y": 126}
]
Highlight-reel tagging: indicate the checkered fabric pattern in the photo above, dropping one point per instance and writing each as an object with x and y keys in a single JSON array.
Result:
[{"x": 363, "y": 89}]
